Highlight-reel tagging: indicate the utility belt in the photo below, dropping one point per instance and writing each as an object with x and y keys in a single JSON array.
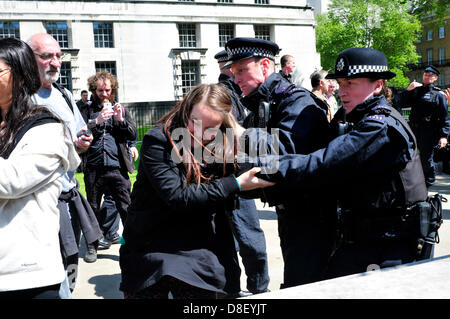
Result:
[{"x": 420, "y": 221}]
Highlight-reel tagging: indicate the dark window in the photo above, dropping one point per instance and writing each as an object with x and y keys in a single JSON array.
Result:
[
  {"x": 103, "y": 35},
  {"x": 262, "y": 1},
  {"x": 187, "y": 35},
  {"x": 109, "y": 66},
  {"x": 65, "y": 76},
  {"x": 262, "y": 31},
  {"x": 190, "y": 75},
  {"x": 226, "y": 32},
  {"x": 9, "y": 29},
  {"x": 59, "y": 31}
]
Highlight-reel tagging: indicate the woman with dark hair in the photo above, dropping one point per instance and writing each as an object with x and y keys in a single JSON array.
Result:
[
  {"x": 177, "y": 236},
  {"x": 33, "y": 159}
]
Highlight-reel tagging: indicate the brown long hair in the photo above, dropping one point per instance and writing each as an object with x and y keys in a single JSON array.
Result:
[{"x": 219, "y": 100}]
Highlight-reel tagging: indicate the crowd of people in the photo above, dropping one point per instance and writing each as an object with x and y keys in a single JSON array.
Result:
[{"x": 350, "y": 184}]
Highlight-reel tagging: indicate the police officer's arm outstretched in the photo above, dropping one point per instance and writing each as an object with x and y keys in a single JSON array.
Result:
[{"x": 373, "y": 167}]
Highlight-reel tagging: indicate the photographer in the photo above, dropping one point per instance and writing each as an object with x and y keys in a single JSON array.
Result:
[{"x": 107, "y": 160}]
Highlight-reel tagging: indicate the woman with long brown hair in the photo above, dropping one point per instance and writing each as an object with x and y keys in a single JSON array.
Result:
[{"x": 177, "y": 236}]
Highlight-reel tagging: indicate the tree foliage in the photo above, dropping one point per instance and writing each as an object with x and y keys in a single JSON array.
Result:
[{"x": 385, "y": 25}]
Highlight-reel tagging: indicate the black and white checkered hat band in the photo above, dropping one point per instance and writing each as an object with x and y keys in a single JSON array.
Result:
[
  {"x": 356, "y": 69},
  {"x": 223, "y": 59},
  {"x": 250, "y": 51}
]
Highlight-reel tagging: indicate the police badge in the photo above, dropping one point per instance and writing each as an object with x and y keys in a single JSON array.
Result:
[{"x": 340, "y": 65}]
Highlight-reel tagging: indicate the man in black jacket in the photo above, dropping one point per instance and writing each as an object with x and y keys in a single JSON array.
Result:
[
  {"x": 306, "y": 221},
  {"x": 429, "y": 118},
  {"x": 245, "y": 220},
  {"x": 107, "y": 160}
]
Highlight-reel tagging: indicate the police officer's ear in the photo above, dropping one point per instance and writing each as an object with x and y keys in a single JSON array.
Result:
[
  {"x": 266, "y": 65},
  {"x": 378, "y": 87}
]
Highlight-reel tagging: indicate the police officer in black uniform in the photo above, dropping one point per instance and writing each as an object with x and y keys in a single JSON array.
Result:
[
  {"x": 306, "y": 221},
  {"x": 245, "y": 225},
  {"x": 429, "y": 118},
  {"x": 373, "y": 166}
]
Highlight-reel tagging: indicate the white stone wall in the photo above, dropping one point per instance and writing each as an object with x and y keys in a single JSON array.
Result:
[{"x": 145, "y": 33}]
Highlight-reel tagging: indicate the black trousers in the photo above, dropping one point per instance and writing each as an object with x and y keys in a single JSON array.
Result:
[
  {"x": 359, "y": 257},
  {"x": 47, "y": 292},
  {"x": 113, "y": 181},
  {"x": 307, "y": 240}
]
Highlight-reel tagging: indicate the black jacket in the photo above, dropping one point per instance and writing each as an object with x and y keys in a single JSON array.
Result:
[
  {"x": 299, "y": 117},
  {"x": 172, "y": 228},
  {"x": 362, "y": 167},
  {"x": 121, "y": 132}
]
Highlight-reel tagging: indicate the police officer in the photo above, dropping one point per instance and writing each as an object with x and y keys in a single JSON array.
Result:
[
  {"x": 373, "y": 165},
  {"x": 245, "y": 225},
  {"x": 429, "y": 118},
  {"x": 306, "y": 221}
]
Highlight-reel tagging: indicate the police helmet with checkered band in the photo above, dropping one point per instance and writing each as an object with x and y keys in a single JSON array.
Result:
[
  {"x": 239, "y": 49},
  {"x": 361, "y": 63}
]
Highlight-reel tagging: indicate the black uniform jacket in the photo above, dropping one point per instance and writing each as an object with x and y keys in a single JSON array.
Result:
[
  {"x": 297, "y": 117},
  {"x": 428, "y": 110},
  {"x": 173, "y": 228},
  {"x": 361, "y": 167}
]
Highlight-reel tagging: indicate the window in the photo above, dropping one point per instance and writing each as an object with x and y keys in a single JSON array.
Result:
[
  {"x": 103, "y": 35},
  {"x": 187, "y": 35},
  {"x": 225, "y": 1},
  {"x": 65, "y": 76},
  {"x": 430, "y": 35},
  {"x": 419, "y": 37},
  {"x": 441, "y": 56},
  {"x": 59, "y": 31},
  {"x": 109, "y": 66},
  {"x": 262, "y": 31},
  {"x": 442, "y": 79},
  {"x": 9, "y": 29},
  {"x": 226, "y": 32},
  {"x": 262, "y": 1},
  {"x": 190, "y": 75},
  {"x": 441, "y": 32},
  {"x": 429, "y": 56}
]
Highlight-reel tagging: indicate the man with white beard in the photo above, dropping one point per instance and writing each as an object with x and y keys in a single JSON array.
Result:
[{"x": 75, "y": 213}]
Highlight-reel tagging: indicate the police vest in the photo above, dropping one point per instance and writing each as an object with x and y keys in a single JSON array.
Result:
[{"x": 411, "y": 176}]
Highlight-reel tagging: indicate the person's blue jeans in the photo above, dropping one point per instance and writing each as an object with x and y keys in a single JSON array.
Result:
[{"x": 252, "y": 245}]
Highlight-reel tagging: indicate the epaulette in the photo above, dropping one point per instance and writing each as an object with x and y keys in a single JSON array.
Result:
[
  {"x": 381, "y": 109},
  {"x": 379, "y": 113},
  {"x": 284, "y": 87},
  {"x": 380, "y": 118}
]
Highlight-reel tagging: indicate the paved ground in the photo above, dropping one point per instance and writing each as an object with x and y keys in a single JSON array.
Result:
[{"x": 102, "y": 278}]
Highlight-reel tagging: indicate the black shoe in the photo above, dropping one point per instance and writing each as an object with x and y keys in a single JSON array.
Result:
[
  {"x": 103, "y": 242},
  {"x": 91, "y": 255},
  {"x": 240, "y": 294},
  {"x": 260, "y": 291},
  {"x": 115, "y": 239}
]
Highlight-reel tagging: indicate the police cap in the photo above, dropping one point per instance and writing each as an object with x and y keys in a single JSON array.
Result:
[
  {"x": 239, "y": 49},
  {"x": 361, "y": 63},
  {"x": 221, "y": 56},
  {"x": 432, "y": 69}
]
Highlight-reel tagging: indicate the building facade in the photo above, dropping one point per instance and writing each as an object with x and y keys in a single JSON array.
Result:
[
  {"x": 159, "y": 49},
  {"x": 433, "y": 48}
]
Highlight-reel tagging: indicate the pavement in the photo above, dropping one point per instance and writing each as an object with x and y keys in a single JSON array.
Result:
[{"x": 101, "y": 280}]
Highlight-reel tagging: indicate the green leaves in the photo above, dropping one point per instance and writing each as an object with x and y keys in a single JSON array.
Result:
[{"x": 385, "y": 25}]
